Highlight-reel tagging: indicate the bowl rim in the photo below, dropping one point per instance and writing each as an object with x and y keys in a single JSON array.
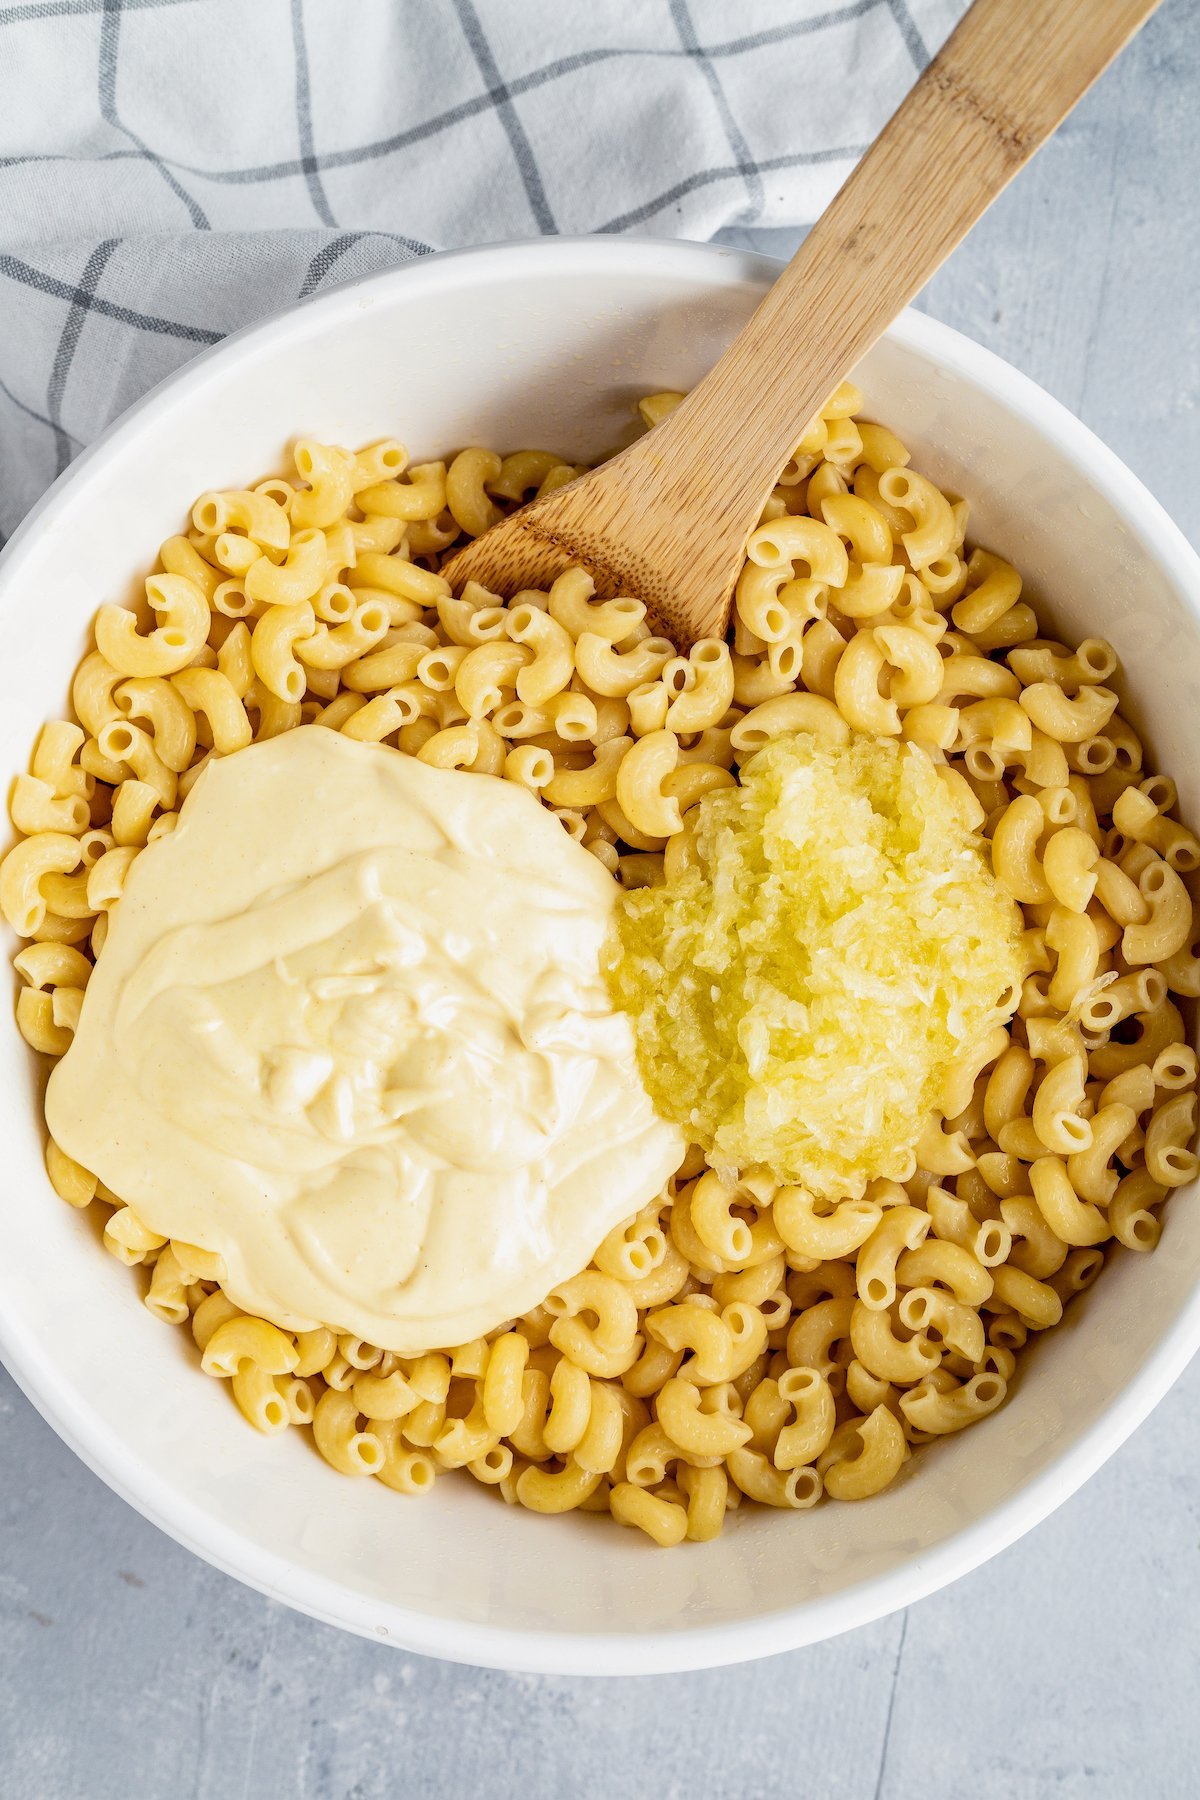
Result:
[{"x": 662, "y": 1650}]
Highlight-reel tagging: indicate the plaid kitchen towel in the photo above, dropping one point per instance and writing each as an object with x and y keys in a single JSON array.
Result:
[{"x": 172, "y": 169}]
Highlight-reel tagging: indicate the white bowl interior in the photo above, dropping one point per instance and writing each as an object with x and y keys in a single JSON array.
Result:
[{"x": 549, "y": 345}]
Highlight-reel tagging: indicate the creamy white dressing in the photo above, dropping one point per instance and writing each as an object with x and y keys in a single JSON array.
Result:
[{"x": 349, "y": 1031}]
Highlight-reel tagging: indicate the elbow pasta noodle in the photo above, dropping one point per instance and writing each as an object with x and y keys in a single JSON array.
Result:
[{"x": 731, "y": 1342}]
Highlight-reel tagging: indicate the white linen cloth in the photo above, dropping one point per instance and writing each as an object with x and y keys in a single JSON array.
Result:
[{"x": 173, "y": 169}]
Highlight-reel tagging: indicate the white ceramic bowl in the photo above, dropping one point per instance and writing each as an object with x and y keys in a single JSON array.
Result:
[{"x": 549, "y": 343}]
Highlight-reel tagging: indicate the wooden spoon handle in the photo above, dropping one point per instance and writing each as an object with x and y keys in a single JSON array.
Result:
[{"x": 1004, "y": 79}]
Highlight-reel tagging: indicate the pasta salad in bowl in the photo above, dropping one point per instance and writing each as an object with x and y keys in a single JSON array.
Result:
[{"x": 677, "y": 1085}]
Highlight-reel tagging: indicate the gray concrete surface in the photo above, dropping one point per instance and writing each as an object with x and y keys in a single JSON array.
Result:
[{"x": 1066, "y": 1667}]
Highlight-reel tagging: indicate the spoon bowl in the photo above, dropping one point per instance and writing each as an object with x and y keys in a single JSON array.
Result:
[{"x": 667, "y": 520}]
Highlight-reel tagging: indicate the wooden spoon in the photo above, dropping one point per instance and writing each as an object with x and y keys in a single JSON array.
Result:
[{"x": 667, "y": 519}]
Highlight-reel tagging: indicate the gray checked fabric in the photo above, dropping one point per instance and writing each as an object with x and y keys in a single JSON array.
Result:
[{"x": 173, "y": 169}]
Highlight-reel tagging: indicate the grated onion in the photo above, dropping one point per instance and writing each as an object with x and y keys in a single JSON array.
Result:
[{"x": 799, "y": 995}]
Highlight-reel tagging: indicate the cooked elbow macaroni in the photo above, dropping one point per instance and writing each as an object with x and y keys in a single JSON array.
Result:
[{"x": 735, "y": 1339}]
